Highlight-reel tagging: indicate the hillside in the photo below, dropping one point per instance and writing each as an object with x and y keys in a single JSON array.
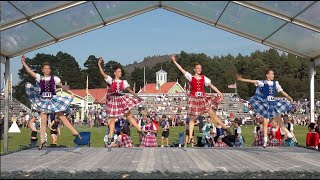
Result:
[{"x": 147, "y": 62}]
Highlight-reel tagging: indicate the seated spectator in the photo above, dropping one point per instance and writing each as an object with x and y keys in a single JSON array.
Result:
[
  {"x": 209, "y": 137},
  {"x": 239, "y": 140},
  {"x": 312, "y": 140},
  {"x": 275, "y": 134},
  {"x": 125, "y": 140},
  {"x": 150, "y": 130},
  {"x": 220, "y": 143},
  {"x": 258, "y": 134},
  {"x": 220, "y": 133}
]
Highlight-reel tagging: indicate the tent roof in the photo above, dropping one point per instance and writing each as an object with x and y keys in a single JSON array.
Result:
[{"x": 290, "y": 26}]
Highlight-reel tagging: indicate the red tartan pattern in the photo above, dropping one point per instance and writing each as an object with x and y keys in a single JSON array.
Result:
[
  {"x": 120, "y": 105},
  {"x": 199, "y": 105}
]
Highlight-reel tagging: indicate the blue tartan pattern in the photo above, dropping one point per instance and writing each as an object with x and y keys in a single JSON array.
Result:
[
  {"x": 53, "y": 105},
  {"x": 268, "y": 109}
]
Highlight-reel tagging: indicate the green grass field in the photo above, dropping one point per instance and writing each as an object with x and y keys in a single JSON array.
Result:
[{"x": 97, "y": 135}]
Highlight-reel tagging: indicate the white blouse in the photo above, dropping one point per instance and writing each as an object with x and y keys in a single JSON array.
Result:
[
  {"x": 125, "y": 82},
  {"x": 207, "y": 81},
  {"x": 57, "y": 80}
]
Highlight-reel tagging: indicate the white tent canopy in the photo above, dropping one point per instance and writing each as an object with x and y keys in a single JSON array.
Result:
[{"x": 291, "y": 26}]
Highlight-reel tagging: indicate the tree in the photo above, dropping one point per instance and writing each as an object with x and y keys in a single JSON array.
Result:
[{"x": 92, "y": 71}]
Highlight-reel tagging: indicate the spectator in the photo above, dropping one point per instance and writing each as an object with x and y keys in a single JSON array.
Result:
[
  {"x": 221, "y": 133},
  {"x": 275, "y": 134},
  {"x": 34, "y": 131},
  {"x": 27, "y": 118},
  {"x": 258, "y": 134},
  {"x": 150, "y": 130},
  {"x": 165, "y": 127},
  {"x": 220, "y": 143},
  {"x": 126, "y": 125},
  {"x": 200, "y": 119},
  {"x": 239, "y": 140},
  {"x": 124, "y": 139},
  {"x": 312, "y": 140},
  {"x": 119, "y": 122},
  {"x": 54, "y": 131},
  {"x": 209, "y": 137}
]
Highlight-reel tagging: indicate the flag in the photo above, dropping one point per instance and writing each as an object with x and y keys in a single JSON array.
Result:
[
  {"x": 87, "y": 87},
  {"x": 232, "y": 86}
]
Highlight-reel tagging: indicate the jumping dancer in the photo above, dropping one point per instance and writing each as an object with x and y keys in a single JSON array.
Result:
[
  {"x": 43, "y": 98},
  {"x": 119, "y": 104},
  {"x": 264, "y": 103},
  {"x": 198, "y": 102}
]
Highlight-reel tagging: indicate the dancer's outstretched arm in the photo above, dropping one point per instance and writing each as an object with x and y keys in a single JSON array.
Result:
[
  {"x": 287, "y": 96},
  {"x": 66, "y": 90},
  {"x": 133, "y": 93},
  {"x": 101, "y": 70},
  {"x": 239, "y": 78},
  {"x": 173, "y": 57},
  {"x": 25, "y": 65},
  {"x": 217, "y": 91}
]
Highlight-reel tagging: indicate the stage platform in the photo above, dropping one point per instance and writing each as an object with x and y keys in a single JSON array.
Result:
[{"x": 176, "y": 160}]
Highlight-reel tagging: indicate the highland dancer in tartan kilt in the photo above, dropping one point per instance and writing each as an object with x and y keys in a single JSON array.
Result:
[
  {"x": 43, "y": 98},
  {"x": 198, "y": 102},
  {"x": 264, "y": 103},
  {"x": 150, "y": 131},
  {"x": 119, "y": 104}
]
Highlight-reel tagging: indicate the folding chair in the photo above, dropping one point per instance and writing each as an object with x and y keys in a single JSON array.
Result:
[{"x": 85, "y": 141}]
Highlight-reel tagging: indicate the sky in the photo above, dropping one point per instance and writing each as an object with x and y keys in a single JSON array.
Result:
[{"x": 157, "y": 32}]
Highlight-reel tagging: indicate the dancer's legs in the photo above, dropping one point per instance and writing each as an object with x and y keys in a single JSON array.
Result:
[
  {"x": 216, "y": 118},
  {"x": 133, "y": 121},
  {"x": 67, "y": 123},
  {"x": 43, "y": 126},
  {"x": 112, "y": 122},
  {"x": 265, "y": 131},
  {"x": 191, "y": 126}
]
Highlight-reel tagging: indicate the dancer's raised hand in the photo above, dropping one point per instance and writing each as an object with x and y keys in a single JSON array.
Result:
[
  {"x": 238, "y": 77},
  {"x": 100, "y": 60},
  {"x": 22, "y": 59},
  {"x": 173, "y": 57}
]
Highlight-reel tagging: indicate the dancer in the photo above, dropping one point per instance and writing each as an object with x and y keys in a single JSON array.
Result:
[
  {"x": 119, "y": 104},
  {"x": 263, "y": 101},
  {"x": 43, "y": 98},
  {"x": 198, "y": 102}
]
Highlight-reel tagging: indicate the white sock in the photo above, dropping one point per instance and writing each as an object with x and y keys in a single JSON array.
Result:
[{"x": 265, "y": 139}]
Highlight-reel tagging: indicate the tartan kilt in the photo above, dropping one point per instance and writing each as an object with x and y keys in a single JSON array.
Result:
[
  {"x": 274, "y": 142},
  {"x": 269, "y": 109},
  {"x": 53, "y": 105},
  {"x": 120, "y": 105},
  {"x": 239, "y": 142},
  {"x": 150, "y": 141},
  {"x": 199, "y": 105},
  {"x": 258, "y": 141},
  {"x": 220, "y": 144},
  {"x": 127, "y": 142}
]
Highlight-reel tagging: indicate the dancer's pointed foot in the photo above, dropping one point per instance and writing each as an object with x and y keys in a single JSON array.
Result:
[
  {"x": 110, "y": 140},
  {"x": 78, "y": 135},
  {"x": 140, "y": 132},
  {"x": 42, "y": 145}
]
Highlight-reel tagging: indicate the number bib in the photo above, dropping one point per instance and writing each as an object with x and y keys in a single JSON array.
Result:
[
  {"x": 46, "y": 95},
  {"x": 198, "y": 94},
  {"x": 270, "y": 98}
]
